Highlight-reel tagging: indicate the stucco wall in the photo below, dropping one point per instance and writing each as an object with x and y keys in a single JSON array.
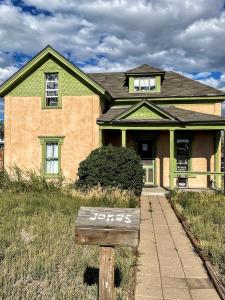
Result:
[
  {"x": 25, "y": 121},
  {"x": 207, "y": 108}
]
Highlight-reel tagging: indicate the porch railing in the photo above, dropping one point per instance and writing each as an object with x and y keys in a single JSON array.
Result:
[{"x": 216, "y": 175}]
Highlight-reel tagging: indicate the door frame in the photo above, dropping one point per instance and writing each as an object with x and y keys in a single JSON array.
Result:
[{"x": 154, "y": 150}]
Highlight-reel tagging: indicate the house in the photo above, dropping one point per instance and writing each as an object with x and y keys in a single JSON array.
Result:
[{"x": 55, "y": 115}]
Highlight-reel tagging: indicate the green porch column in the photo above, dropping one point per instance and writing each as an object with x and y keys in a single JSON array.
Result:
[
  {"x": 217, "y": 158},
  {"x": 124, "y": 138},
  {"x": 172, "y": 165}
]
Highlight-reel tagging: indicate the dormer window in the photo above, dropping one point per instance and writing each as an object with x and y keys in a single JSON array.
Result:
[{"x": 144, "y": 84}]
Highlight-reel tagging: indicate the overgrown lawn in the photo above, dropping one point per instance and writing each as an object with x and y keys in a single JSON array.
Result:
[
  {"x": 205, "y": 213},
  {"x": 38, "y": 255}
]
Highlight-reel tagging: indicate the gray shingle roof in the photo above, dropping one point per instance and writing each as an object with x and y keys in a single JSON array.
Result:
[
  {"x": 144, "y": 69},
  {"x": 173, "y": 85},
  {"x": 180, "y": 116}
]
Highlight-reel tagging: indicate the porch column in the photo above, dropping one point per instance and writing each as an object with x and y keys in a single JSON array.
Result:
[
  {"x": 171, "y": 159},
  {"x": 100, "y": 137},
  {"x": 217, "y": 158},
  {"x": 124, "y": 138}
]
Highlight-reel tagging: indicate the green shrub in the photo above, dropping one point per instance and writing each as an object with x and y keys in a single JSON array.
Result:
[{"x": 110, "y": 166}]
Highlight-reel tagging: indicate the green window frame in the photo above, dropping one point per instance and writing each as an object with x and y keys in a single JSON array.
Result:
[
  {"x": 157, "y": 79},
  {"x": 189, "y": 156},
  {"x": 59, "y": 96},
  {"x": 51, "y": 156}
]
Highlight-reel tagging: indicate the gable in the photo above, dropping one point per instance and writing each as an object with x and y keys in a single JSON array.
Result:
[
  {"x": 33, "y": 84},
  {"x": 35, "y": 63},
  {"x": 144, "y": 113},
  {"x": 145, "y": 110}
]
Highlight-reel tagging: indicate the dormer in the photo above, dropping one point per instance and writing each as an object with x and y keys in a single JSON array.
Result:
[{"x": 145, "y": 79}]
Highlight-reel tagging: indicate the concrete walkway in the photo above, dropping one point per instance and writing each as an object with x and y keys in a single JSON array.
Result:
[{"x": 168, "y": 267}]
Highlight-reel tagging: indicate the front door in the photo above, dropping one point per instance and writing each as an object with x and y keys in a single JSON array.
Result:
[{"x": 146, "y": 152}]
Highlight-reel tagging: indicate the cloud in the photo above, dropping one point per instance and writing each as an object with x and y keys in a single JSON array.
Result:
[
  {"x": 112, "y": 35},
  {"x": 217, "y": 83}
]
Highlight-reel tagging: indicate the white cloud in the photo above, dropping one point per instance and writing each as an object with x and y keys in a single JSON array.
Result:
[
  {"x": 183, "y": 35},
  {"x": 217, "y": 83},
  {"x": 6, "y": 72}
]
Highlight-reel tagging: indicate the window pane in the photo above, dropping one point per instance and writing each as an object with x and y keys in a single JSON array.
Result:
[
  {"x": 52, "y": 101},
  {"x": 152, "y": 84},
  {"x": 55, "y": 150},
  {"x": 52, "y": 93},
  {"x": 51, "y": 150},
  {"x": 52, "y": 166},
  {"x": 183, "y": 154},
  {"x": 52, "y": 158},
  {"x": 51, "y": 77},
  {"x": 51, "y": 90},
  {"x": 51, "y": 85},
  {"x": 136, "y": 84}
]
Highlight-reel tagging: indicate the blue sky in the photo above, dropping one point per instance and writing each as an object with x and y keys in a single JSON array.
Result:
[{"x": 186, "y": 36}]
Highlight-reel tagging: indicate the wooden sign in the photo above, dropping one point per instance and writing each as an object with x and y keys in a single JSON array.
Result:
[{"x": 108, "y": 226}]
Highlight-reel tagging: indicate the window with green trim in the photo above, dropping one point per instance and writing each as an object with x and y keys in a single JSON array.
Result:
[
  {"x": 51, "y": 156},
  {"x": 183, "y": 154},
  {"x": 51, "y": 89}
]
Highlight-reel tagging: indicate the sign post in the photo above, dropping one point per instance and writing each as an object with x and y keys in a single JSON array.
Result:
[{"x": 107, "y": 227}]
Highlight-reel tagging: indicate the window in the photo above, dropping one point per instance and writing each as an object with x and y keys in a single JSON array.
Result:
[
  {"x": 52, "y": 158},
  {"x": 183, "y": 147},
  {"x": 144, "y": 84},
  {"x": 51, "y": 89},
  {"x": 51, "y": 155}
]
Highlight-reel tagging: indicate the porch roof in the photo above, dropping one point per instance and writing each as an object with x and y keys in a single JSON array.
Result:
[{"x": 179, "y": 116}]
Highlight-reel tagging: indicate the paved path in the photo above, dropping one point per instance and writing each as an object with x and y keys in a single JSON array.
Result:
[{"x": 168, "y": 267}]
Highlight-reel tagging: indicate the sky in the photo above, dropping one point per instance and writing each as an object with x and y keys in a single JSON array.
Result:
[{"x": 185, "y": 36}]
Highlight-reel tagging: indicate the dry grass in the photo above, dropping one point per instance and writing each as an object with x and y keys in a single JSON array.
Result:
[
  {"x": 205, "y": 213},
  {"x": 38, "y": 256}
]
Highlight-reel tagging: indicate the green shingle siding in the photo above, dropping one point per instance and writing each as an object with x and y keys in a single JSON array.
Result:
[{"x": 34, "y": 84}]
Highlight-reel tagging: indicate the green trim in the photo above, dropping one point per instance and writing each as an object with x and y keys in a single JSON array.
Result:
[
  {"x": 190, "y": 159},
  {"x": 131, "y": 84},
  {"x": 43, "y": 141},
  {"x": 197, "y": 173},
  {"x": 158, "y": 84},
  {"x": 153, "y": 108},
  {"x": 32, "y": 64},
  {"x": 123, "y": 138},
  {"x": 43, "y": 99},
  {"x": 172, "y": 158},
  {"x": 175, "y": 99},
  {"x": 160, "y": 127},
  {"x": 217, "y": 148},
  {"x": 133, "y": 76}
]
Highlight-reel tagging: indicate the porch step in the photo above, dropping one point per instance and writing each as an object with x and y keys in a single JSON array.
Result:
[{"x": 154, "y": 191}]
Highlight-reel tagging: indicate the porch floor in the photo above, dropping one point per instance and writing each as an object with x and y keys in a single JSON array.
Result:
[{"x": 168, "y": 266}]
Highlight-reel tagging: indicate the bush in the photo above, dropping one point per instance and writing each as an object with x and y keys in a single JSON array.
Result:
[{"x": 110, "y": 166}]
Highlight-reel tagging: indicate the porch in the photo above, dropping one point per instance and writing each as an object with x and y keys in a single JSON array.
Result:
[{"x": 163, "y": 166}]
